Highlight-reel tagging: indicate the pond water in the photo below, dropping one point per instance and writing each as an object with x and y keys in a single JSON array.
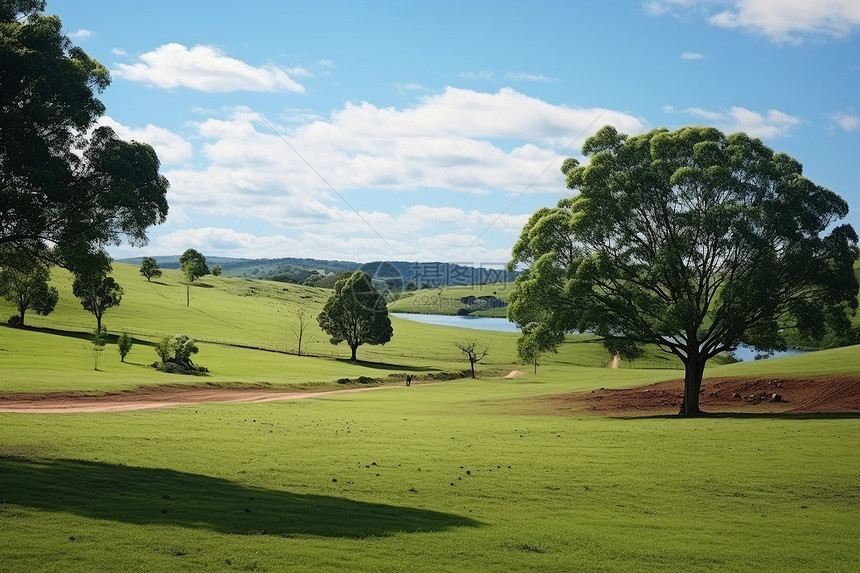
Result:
[
  {"x": 748, "y": 353},
  {"x": 745, "y": 353},
  {"x": 476, "y": 322}
]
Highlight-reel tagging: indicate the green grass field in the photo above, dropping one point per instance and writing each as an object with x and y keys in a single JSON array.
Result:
[{"x": 456, "y": 476}]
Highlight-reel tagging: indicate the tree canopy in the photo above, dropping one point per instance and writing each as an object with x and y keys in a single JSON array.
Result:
[
  {"x": 66, "y": 190},
  {"x": 149, "y": 268},
  {"x": 356, "y": 313},
  {"x": 97, "y": 293},
  {"x": 693, "y": 241},
  {"x": 26, "y": 284},
  {"x": 193, "y": 265}
]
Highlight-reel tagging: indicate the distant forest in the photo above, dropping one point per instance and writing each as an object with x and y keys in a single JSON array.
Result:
[{"x": 314, "y": 272}]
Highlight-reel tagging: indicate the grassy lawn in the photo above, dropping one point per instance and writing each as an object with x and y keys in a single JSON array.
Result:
[
  {"x": 452, "y": 476},
  {"x": 428, "y": 478}
]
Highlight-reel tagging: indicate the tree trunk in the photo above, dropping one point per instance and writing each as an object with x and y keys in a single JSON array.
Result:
[
  {"x": 472, "y": 364},
  {"x": 99, "y": 323},
  {"x": 694, "y": 369},
  {"x": 354, "y": 348},
  {"x": 21, "y": 310}
]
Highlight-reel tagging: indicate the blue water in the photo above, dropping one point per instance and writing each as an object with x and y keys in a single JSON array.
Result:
[
  {"x": 745, "y": 353},
  {"x": 476, "y": 322}
]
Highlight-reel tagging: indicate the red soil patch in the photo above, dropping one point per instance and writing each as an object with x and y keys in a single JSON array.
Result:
[
  {"x": 819, "y": 394},
  {"x": 147, "y": 398}
]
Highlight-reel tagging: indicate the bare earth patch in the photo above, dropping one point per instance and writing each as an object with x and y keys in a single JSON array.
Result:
[
  {"x": 148, "y": 398},
  {"x": 513, "y": 374},
  {"x": 818, "y": 394}
]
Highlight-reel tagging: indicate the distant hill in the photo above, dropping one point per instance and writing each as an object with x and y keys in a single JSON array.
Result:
[{"x": 395, "y": 274}]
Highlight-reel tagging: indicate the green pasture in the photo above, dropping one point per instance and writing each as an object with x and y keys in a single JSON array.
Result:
[
  {"x": 441, "y": 477},
  {"x": 444, "y": 476},
  {"x": 446, "y": 300}
]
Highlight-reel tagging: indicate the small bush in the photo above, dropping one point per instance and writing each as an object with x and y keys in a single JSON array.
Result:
[
  {"x": 124, "y": 344},
  {"x": 14, "y": 320}
]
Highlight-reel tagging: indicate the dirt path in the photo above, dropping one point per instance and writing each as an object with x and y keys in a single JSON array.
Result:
[{"x": 144, "y": 399}]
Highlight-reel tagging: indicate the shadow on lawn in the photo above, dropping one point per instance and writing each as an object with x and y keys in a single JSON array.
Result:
[{"x": 148, "y": 496}]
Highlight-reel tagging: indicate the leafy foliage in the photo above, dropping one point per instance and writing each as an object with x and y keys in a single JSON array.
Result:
[
  {"x": 123, "y": 345},
  {"x": 356, "y": 313},
  {"x": 690, "y": 240},
  {"x": 149, "y": 268},
  {"x": 175, "y": 354},
  {"x": 97, "y": 293},
  {"x": 193, "y": 265},
  {"x": 26, "y": 284},
  {"x": 59, "y": 187}
]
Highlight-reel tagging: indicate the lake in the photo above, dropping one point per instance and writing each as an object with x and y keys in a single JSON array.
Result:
[
  {"x": 745, "y": 353},
  {"x": 475, "y": 322}
]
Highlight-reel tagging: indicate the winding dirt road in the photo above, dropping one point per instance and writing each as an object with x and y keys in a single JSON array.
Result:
[{"x": 148, "y": 398}]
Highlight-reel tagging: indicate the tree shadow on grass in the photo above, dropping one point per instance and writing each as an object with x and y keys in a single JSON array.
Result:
[
  {"x": 149, "y": 496},
  {"x": 388, "y": 366}
]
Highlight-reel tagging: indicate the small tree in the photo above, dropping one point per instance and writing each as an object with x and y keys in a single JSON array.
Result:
[
  {"x": 123, "y": 345},
  {"x": 193, "y": 265},
  {"x": 175, "y": 354},
  {"x": 474, "y": 351},
  {"x": 149, "y": 268},
  {"x": 27, "y": 286},
  {"x": 535, "y": 342},
  {"x": 97, "y": 293},
  {"x": 299, "y": 331},
  {"x": 217, "y": 270},
  {"x": 97, "y": 347},
  {"x": 356, "y": 313}
]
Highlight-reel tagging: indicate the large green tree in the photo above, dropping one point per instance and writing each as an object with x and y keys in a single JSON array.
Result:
[
  {"x": 149, "y": 268},
  {"x": 64, "y": 184},
  {"x": 356, "y": 313},
  {"x": 26, "y": 284},
  {"x": 193, "y": 264},
  {"x": 693, "y": 241},
  {"x": 97, "y": 293}
]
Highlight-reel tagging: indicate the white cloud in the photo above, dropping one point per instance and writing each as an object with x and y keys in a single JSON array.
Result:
[
  {"x": 458, "y": 140},
  {"x": 845, "y": 121},
  {"x": 463, "y": 248},
  {"x": 524, "y": 77},
  {"x": 771, "y": 125},
  {"x": 300, "y": 175},
  {"x": 779, "y": 20},
  {"x": 118, "y": 52},
  {"x": 207, "y": 69},
  {"x": 485, "y": 75},
  {"x": 691, "y": 56},
  {"x": 81, "y": 34},
  {"x": 170, "y": 147}
]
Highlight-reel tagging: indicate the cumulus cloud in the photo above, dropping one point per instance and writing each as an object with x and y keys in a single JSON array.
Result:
[
  {"x": 845, "y": 121},
  {"x": 779, "y": 20},
  {"x": 771, "y": 125},
  {"x": 81, "y": 34},
  {"x": 221, "y": 241},
  {"x": 170, "y": 147},
  {"x": 207, "y": 69},
  {"x": 302, "y": 175},
  {"x": 459, "y": 140}
]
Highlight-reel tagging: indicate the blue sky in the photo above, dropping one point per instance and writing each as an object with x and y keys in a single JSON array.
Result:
[{"x": 367, "y": 130}]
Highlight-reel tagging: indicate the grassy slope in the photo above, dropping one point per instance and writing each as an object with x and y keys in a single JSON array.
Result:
[
  {"x": 239, "y": 311},
  {"x": 447, "y": 300},
  {"x": 252, "y": 486}
]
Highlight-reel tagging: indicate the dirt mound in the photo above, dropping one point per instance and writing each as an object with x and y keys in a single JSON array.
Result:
[{"x": 819, "y": 394}]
